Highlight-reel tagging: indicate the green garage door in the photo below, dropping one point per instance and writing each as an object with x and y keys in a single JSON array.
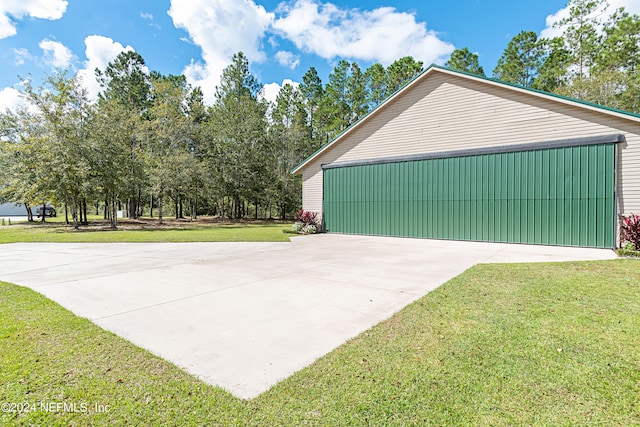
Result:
[{"x": 552, "y": 196}]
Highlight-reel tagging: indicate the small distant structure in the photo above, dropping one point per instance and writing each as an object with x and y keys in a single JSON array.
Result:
[{"x": 12, "y": 210}]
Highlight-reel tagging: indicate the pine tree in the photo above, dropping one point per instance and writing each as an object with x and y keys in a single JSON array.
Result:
[
  {"x": 465, "y": 60},
  {"x": 521, "y": 60}
]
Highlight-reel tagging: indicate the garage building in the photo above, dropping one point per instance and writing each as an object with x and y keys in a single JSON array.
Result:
[{"x": 457, "y": 156}]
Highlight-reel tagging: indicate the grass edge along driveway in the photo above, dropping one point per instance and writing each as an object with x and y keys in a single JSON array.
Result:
[
  {"x": 56, "y": 232},
  {"x": 516, "y": 344}
]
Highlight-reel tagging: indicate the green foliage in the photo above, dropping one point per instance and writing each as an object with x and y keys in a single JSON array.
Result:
[
  {"x": 167, "y": 139},
  {"x": 357, "y": 93},
  {"x": 115, "y": 161},
  {"x": 237, "y": 82},
  {"x": 606, "y": 87},
  {"x": 465, "y": 60},
  {"x": 44, "y": 154},
  {"x": 297, "y": 227},
  {"x": 628, "y": 252},
  {"x": 237, "y": 129},
  {"x": 620, "y": 48},
  {"x": 516, "y": 344},
  {"x": 150, "y": 140},
  {"x": 594, "y": 61},
  {"x": 126, "y": 80},
  {"x": 351, "y": 94},
  {"x": 290, "y": 143},
  {"x": 377, "y": 85},
  {"x": 312, "y": 92},
  {"x": 521, "y": 60},
  {"x": 335, "y": 105},
  {"x": 581, "y": 35},
  {"x": 401, "y": 71},
  {"x": 552, "y": 73},
  {"x": 310, "y": 229}
]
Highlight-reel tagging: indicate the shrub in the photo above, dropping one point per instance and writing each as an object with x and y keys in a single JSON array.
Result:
[
  {"x": 310, "y": 229},
  {"x": 306, "y": 222},
  {"x": 630, "y": 230},
  {"x": 307, "y": 218}
]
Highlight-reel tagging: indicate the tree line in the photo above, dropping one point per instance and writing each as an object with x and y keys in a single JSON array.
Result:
[
  {"x": 150, "y": 145},
  {"x": 594, "y": 59}
]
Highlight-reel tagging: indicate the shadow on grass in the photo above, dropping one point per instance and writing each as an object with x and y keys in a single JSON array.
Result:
[{"x": 172, "y": 225}]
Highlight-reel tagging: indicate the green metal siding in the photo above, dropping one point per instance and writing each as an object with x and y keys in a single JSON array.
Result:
[{"x": 557, "y": 196}]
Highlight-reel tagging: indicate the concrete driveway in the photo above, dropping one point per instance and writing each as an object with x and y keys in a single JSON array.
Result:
[{"x": 244, "y": 316}]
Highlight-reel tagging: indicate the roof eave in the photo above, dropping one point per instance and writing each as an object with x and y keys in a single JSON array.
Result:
[
  {"x": 357, "y": 124},
  {"x": 432, "y": 68},
  {"x": 546, "y": 95}
]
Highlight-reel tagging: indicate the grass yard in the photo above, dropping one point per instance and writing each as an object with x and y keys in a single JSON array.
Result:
[
  {"x": 147, "y": 230},
  {"x": 520, "y": 344}
]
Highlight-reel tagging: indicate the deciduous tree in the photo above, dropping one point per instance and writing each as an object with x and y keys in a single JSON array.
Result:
[{"x": 46, "y": 151}]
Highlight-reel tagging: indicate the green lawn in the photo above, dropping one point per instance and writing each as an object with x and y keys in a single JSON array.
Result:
[
  {"x": 54, "y": 230},
  {"x": 522, "y": 344}
]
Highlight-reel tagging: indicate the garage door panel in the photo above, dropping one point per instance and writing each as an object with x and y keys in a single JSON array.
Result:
[{"x": 558, "y": 196}]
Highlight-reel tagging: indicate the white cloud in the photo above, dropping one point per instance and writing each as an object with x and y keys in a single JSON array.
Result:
[
  {"x": 221, "y": 28},
  {"x": 288, "y": 59},
  {"x": 631, "y": 6},
  {"x": 550, "y": 31},
  {"x": 22, "y": 56},
  {"x": 224, "y": 27},
  {"x": 18, "y": 9},
  {"x": 10, "y": 99},
  {"x": 381, "y": 34},
  {"x": 99, "y": 51},
  {"x": 56, "y": 54},
  {"x": 149, "y": 17},
  {"x": 270, "y": 91}
]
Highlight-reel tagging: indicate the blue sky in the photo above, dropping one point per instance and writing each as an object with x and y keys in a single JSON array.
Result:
[{"x": 281, "y": 39}]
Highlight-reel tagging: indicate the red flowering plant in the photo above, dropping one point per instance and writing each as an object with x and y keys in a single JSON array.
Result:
[
  {"x": 630, "y": 230},
  {"x": 306, "y": 222}
]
